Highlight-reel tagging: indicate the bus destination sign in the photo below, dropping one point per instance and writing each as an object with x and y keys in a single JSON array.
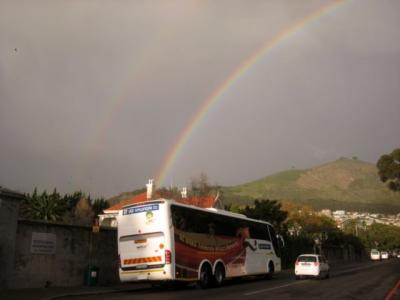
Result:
[{"x": 140, "y": 209}]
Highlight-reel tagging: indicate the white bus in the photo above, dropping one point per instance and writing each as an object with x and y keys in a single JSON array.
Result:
[{"x": 162, "y": 240}]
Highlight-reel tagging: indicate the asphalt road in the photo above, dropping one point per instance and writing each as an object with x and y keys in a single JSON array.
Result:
[{"x": 371, "y": 280}]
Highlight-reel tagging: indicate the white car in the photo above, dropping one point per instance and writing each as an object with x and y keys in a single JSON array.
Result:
[
  {"x": 384, "y": 255},
  {"x": 311, "y": 265},
  {"x": 375, "y": 255}
]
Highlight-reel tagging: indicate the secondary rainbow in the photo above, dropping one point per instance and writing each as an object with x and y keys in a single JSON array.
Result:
[{"x": 233, "y": 77}]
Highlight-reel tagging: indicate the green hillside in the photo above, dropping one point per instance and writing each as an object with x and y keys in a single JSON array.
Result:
[{"x": 343, "y": 184}]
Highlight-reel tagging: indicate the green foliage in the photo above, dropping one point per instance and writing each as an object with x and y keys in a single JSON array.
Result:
[
  {"x": 98, "y": 205},
  {"x": 266, "y": 210},
  {"x": 75, "y": 208},
  {"x": 389, "y": 169},
  {"x": 381, "y": 236},
  {"x": 294, "y": 246},
  {"x": 304, "y": 221},
  {"x": 305, "y": 226},
  {"x": 43, "y": 207}
]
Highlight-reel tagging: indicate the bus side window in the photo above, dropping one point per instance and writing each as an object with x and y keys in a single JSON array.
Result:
[
  {"x": 258, "y": 231},
  {"x": 225, "y": 226},
  {"x": 175, "y": 216},
  {"x": 179, "y": 218},
  {"x": 199, "y": 222}
]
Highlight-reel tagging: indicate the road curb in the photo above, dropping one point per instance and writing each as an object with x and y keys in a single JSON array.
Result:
[
  {"x": 93, "y": 293},
  {"x": 81, "y": 294},
  {"x": 393, "y": 291}
]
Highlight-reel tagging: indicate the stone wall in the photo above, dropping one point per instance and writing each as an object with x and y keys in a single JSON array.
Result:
[
  {"x": 75, "y": 247},
  {"x": 9, "y": 208}
]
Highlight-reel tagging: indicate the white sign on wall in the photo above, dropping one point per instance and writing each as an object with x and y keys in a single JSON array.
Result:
[{"x": 43, "y": 243}]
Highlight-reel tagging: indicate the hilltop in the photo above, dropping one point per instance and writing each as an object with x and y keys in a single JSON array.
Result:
[{"x": 342, "y": 184}]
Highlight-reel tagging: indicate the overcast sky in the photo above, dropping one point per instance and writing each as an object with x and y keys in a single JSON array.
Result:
[{"x": 93, "y": 94}]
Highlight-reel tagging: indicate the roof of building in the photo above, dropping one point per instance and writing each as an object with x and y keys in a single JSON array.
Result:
[
  {"x": 203, "y": 202},
  {"x": 10, "y": 194},
  {"x": 135, "y": 199}
]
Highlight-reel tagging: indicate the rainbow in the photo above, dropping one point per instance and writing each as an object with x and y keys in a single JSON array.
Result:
[{"x": 229, "y": 81}]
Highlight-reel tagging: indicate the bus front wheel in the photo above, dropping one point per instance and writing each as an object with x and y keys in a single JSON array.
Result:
[
  {"x": 271, "y": 270},
  {"x": 205, "y": 277}
]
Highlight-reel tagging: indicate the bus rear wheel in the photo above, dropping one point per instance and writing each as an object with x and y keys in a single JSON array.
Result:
[
  {"x": 219, "y": 276},
  {"x": 205, "y": 277}
]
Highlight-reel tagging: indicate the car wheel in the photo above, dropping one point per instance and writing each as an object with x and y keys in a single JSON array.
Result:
[{"x": 327, "y": 275}]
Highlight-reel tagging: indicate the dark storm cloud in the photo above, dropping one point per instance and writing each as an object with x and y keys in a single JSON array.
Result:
[{"x": 94, "y": 94}]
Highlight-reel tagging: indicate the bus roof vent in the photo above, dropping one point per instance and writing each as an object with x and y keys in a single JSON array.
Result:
[
  {"x": 150, "y": 187},
  {"x": 184, "y": 193}
]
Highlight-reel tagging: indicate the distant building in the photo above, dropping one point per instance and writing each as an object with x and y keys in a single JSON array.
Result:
[
  {"x": 326, "y": 212},
  {"x": 339, "y": 213}
]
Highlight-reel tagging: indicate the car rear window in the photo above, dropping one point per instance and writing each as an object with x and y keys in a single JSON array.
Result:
[{"x": 307, "y": 259}]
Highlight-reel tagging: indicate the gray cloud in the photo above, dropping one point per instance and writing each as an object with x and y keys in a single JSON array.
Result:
[{"x": 93, "y": 95}]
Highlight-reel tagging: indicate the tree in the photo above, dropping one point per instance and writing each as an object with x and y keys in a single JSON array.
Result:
[
  {"x": 83, "y": 213},
  {"x": 305, "y": 221},
  {"x": 381, "y": 236},
  {"x": 389, "y": 169},
  {"x": 266, "y": 210},
  {"x": 169, "y": 193},
  {"x": 200, "y": 186},
  {"x": 44, "y": 207},
  {"x": 99, "y": 205}
]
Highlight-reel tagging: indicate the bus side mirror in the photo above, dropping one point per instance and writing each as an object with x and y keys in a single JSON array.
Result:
[{"x": 280, "y": 238}]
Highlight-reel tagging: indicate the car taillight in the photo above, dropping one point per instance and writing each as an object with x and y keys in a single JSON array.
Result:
[
  {"x": 167, "y": 256},
  {"x": 316, "y": 264}
]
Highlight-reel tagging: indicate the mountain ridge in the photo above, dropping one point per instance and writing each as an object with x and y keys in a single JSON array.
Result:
[{"x": 342, "y": 184}]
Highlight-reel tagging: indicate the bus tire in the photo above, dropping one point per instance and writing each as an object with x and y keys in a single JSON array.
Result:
[
  {"x": 219, "y": 275},
  {"x": 271, "y": 270},
  {"x": 205, "y": 276}
]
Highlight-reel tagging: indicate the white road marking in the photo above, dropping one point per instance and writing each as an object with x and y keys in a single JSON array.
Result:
[
  {"x": 304, "y": 281},
  {"x": 275, "y": 288}
]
